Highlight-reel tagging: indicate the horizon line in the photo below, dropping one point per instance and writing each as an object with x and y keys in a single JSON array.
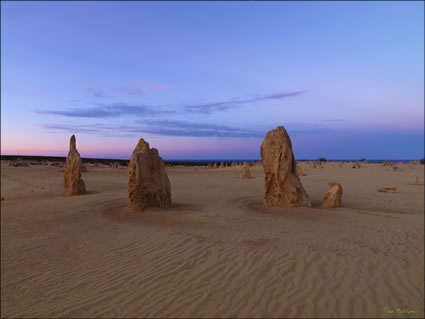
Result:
[{"x": 212, "y": 160}]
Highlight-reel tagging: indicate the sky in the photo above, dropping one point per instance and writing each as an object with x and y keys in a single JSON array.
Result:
[{"x": 208, "y": 80}]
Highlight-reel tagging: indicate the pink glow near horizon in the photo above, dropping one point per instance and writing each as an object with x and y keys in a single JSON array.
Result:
[{"x": 180, "y": 148}]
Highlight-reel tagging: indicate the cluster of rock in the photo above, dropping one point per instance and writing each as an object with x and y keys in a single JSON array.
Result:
[
  {"x": 19, "y": 163},
  {"x": 230, "y": 164},
  {"x": 317, "y": 164},
  {"x": 114, "y": 165},
  {"x": 57, "y": 164},
  {"x": 395, "y": 166},
  {"x": 25, "y": 163},
  {"x": 283, "y": 187},
  {"x": 149, "y": 185}
]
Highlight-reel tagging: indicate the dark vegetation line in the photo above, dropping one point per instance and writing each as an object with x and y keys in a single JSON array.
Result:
[
  {"x": 123, "y": 162},
  {"x": 107, "y": 161}
]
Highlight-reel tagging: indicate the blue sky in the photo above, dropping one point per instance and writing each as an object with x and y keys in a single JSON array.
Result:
[{"x": 207, "y": 80}]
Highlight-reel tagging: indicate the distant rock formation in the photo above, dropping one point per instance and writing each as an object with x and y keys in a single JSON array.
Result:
[
  {"x": 73, "y": 184},
  {"x": 19, "y": 163},
  {"x": 332, "y": 198},
  {"x": 414, "y": 180},
  {"x": 299, "y": 171},
  {"x": 55, "y": 164},
  {"x": 148, "y": 183},
  {"x": 282, "y": 185},
  {"x": 387, "y": 189},
  {"x": 245, "y": 172}
]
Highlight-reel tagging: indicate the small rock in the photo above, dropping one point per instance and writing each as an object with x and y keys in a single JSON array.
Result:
[
  {"x": 356, "y": 165},
  {"x": 388, "y": 189},
  {"x": 414, "y": 180},
  {"x": 333, "y": 197},
  {"x": 245, "y": 172}
]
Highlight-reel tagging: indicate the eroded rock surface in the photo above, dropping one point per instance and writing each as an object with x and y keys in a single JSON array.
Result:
[
  {"x": 73, "y": 183},
  {"x": 245, "y": 172},
  {"x": 332, "y": 198},
  {"x": 148, "y": 183},
  {"x": 414, "y": 180},
  {"x": 283, "y": 187},
  {"x": 299, "y": 171}
]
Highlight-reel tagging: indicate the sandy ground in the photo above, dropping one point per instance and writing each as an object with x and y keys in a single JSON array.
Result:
[{"x": 216, "y": 252}]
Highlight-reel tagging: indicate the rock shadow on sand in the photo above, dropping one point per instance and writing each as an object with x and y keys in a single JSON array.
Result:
[
  {"x": 178, "y": 215},
  {"x": 300, "y": 213}
]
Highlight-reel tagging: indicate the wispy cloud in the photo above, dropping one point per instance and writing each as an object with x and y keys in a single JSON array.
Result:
[
  {"x": 138, "y": 88},
  {"x": 175, "y": 128},
  {"x": 196, "y": 129},
  {"x": 161, "y": 128},
  {"x": 208, "y": 108},
  {"x": 116, "y": 91},
  {"x": 106, "y": 111},
  {"x": 122, "y": 109},
  {"x": 71, "y": 128}
]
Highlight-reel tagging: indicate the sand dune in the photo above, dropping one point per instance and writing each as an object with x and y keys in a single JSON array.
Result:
[{"x": 216, "y": 252}]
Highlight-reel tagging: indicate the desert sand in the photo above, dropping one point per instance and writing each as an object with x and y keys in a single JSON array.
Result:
[{"x": 216, "y": 252}]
